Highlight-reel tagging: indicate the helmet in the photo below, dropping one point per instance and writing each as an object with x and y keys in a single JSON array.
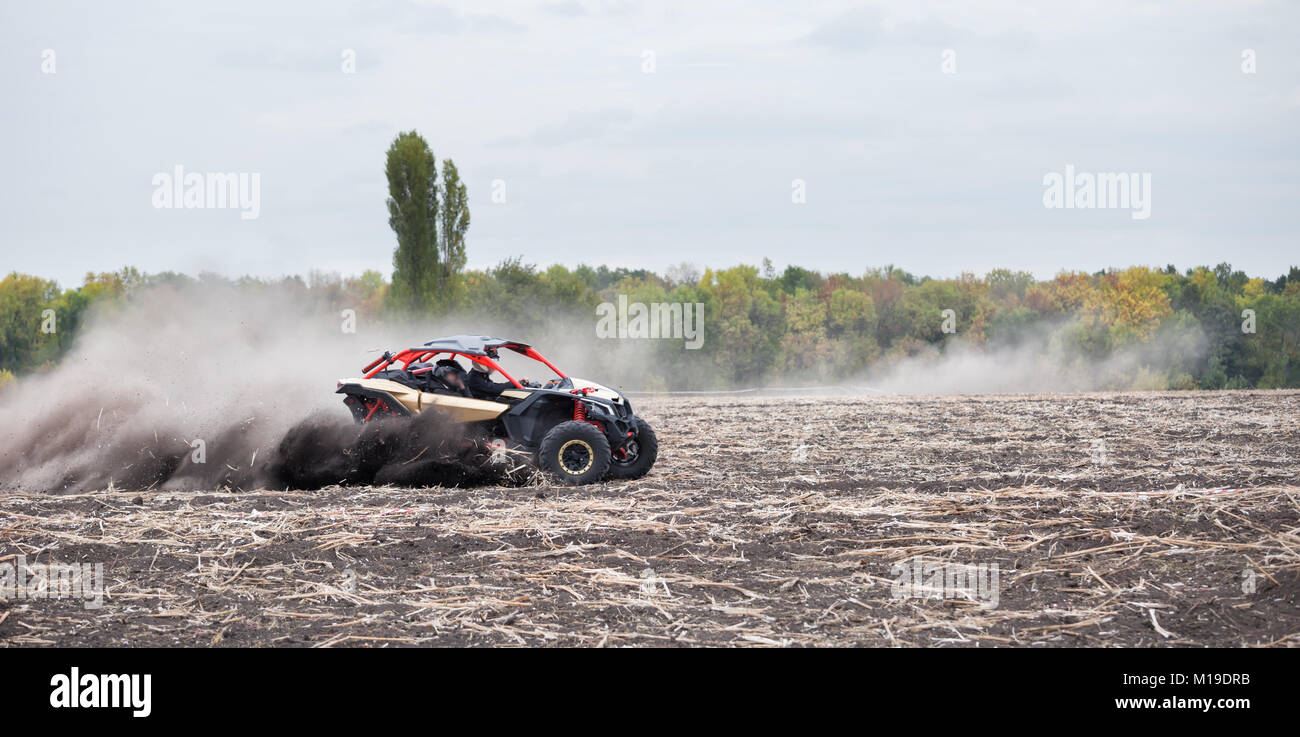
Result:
[
  {"x": 450, "y": 377},
  {"x": 476, "y": 366}
]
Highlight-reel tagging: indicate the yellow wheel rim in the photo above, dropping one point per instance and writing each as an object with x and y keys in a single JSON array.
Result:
[{"x": 591, "y": 456}]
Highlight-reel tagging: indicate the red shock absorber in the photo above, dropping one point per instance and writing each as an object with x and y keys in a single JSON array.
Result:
[
  {"x": 580, "y": 410},
  {"x": 580, "y": 415}
]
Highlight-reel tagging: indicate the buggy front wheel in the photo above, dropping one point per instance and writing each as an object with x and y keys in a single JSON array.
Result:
[{"x": 574, "y": 453}]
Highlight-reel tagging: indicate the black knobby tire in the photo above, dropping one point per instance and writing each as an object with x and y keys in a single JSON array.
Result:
[
  {"x": 574, "y": 453},
  {"x": 642, "y": 450}
]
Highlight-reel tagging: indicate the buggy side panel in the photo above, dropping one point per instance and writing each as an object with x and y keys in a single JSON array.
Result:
[
  {"x": 411, "y": 400},
  {"x": 464, "y": 409},
  {"x": 536, "y": 414}
]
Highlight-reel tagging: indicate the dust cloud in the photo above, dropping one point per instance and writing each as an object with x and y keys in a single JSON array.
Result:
[
  {"x": 1049, "y": 358},
  {"x": 212, "y": 386}
]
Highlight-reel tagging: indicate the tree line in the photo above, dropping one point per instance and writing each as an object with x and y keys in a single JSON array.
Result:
[{"x": 1215, "y": 327}]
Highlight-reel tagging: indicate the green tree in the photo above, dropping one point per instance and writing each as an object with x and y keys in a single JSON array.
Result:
[
  {"x": 1272, "y": 353},
  {"x": 852, "y": 315},
  {"x": 413, "y": 215},
  {"x": 453, "y": 222},
  {"x": 743, "y": 324},
  {"x": 795, "y": 277},
  {"x": 23, "y": 301},
  {"x": 1005, "y": 283}
]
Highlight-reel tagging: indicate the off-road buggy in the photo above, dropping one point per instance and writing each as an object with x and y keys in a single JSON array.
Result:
[{"x": 577, "y": 431}]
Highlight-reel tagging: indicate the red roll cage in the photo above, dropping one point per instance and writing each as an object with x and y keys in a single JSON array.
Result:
[{"x": 418, "y": 355}]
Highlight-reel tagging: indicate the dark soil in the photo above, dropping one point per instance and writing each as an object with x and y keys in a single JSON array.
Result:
[{"x": 1166, "y": 519}]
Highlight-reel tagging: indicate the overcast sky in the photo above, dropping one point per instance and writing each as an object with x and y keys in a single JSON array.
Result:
[{"x": 905, "y": 162}]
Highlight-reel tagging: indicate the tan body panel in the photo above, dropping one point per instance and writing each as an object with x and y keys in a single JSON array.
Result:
[
  {"x": 464, "y": 409},
  {"x": 461, "y": 409}
]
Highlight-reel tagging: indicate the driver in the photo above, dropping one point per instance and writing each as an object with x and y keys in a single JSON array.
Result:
[
  {"x": 480, "y": 384},
  {"x": 452, "y": 376}
]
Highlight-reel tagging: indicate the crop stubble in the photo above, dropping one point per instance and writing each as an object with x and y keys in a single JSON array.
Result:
[{"x": 1113, "y": 519}]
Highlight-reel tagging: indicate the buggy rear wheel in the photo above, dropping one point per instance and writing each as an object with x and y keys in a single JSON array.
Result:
[
  {"x": 635, "y": 458},
  {"x": 574, "y": 453}
]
